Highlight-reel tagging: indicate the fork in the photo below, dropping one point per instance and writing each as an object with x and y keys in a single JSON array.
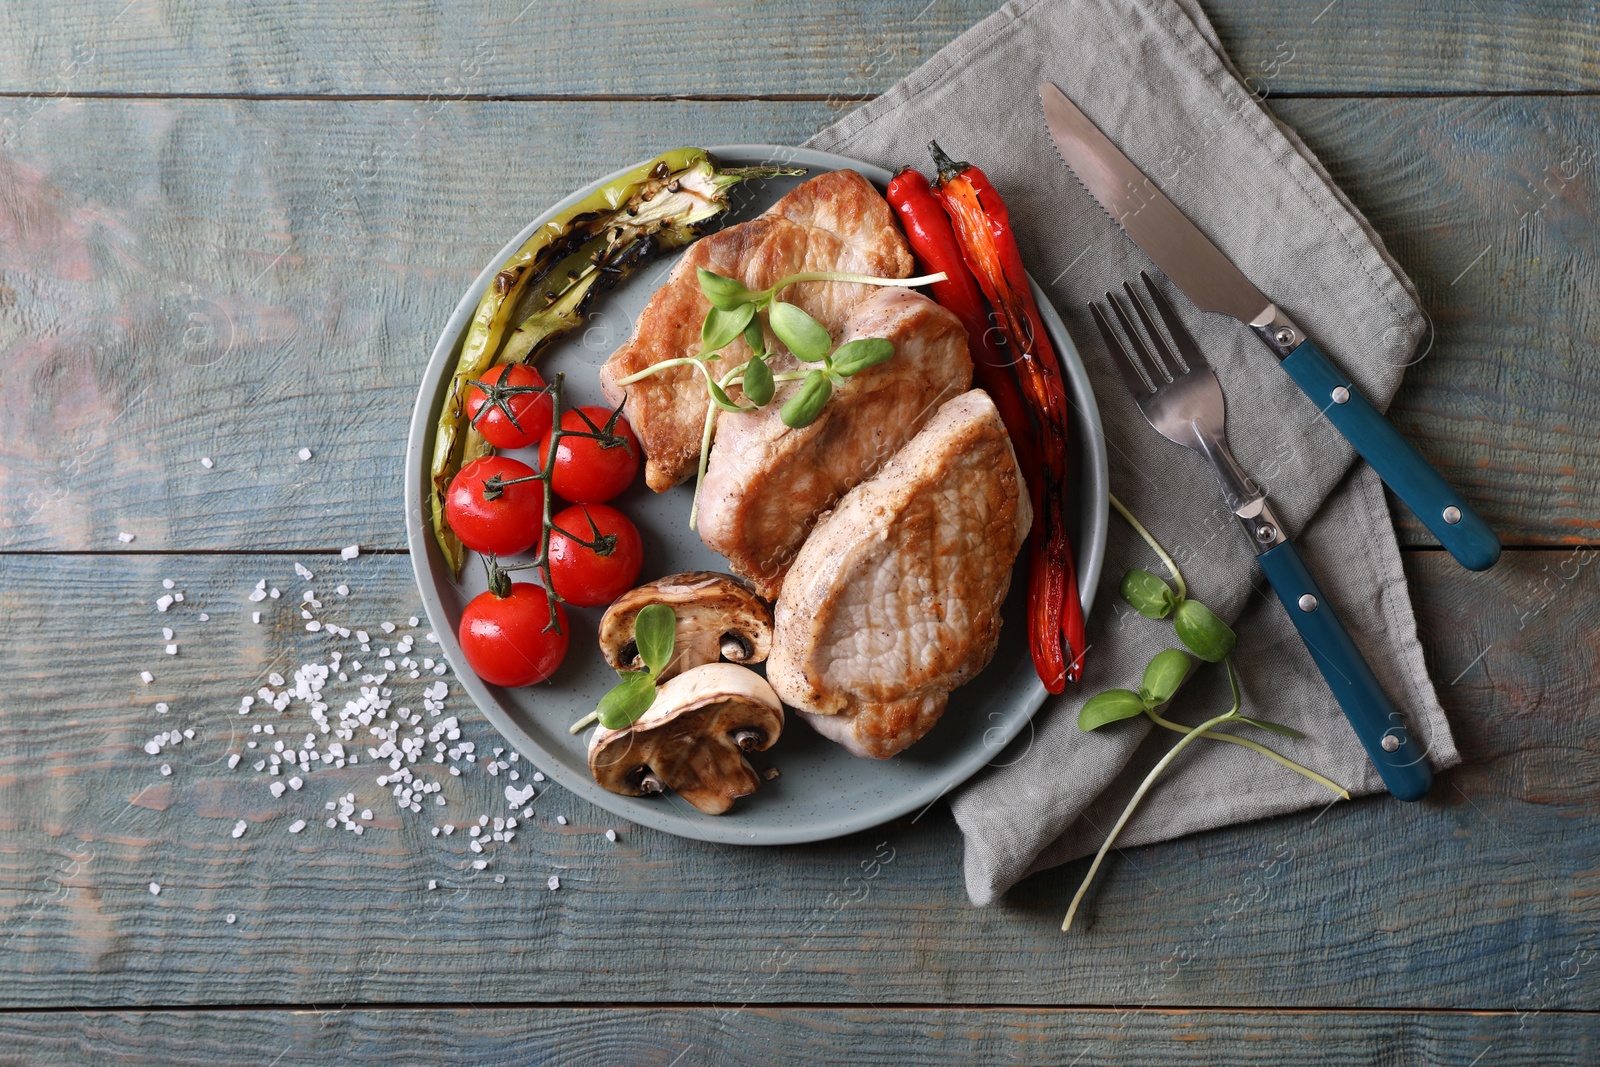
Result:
[{"x": 1179, "y": 394}]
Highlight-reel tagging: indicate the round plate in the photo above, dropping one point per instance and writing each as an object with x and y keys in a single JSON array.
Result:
[{"x": 823, "y": 791}]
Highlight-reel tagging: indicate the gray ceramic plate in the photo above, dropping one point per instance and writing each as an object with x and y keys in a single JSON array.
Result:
[{"x": 823, "y": 791}]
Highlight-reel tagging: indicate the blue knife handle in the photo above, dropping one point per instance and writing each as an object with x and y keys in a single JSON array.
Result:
[
  {"x": 1372, "y": 715},
  {"x": 1469, "y": 539}
]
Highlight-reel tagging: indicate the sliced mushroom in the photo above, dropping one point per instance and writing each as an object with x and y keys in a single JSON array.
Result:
[
  {"x": 693, "y": 739},
  {"x": 719, "y": 617}
]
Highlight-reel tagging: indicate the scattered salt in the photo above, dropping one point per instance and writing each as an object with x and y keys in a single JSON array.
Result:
[
  {"x": 146, "y": 677},
  {"x": 166, "y": 769},
  {"x": 611, "y": 835},
  {"x": 296, "y": 826},
  {"x": 168, "y": 583},
  {"x": 125, "y": 537},
  {"x": 239, "y": 828},
  {"x": 304, "y": 454},
  {"x": 232, "y": 918},
  {"x": 554, "y": 882},
  {"x": 351, "y": 552},
  {"x": 164, "y": 603},
  {"x": 155, "y": 889},
  {"x": 205, "y": 461}
]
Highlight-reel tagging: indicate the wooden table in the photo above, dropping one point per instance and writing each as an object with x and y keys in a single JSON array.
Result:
[{"x": 233, "y": 231}]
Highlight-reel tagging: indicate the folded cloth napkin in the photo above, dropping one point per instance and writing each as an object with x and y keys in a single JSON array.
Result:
[{"x": 1152, "y": 76}]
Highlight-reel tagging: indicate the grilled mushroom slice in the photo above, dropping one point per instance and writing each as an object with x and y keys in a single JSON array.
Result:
[
  {"x": 693, "y": 739},
  {"x": 719, "y": 617}
]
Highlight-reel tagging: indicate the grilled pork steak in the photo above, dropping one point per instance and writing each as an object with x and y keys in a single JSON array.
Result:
[
  {"x": 895, "y": 598},
  {"x": 834, "y": 222},
  {"x": 767, "y": 483}
]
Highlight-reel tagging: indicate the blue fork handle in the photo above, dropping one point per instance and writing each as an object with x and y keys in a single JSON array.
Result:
[
  {"x": 1469, "y": 539},
  {"x": 1373, "y": 717}
]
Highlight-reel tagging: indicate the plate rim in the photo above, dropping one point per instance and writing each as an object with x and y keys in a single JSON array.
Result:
[{"x": 425, "y": 559}]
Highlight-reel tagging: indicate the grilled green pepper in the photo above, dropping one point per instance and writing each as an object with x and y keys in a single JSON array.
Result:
[{"x": 586, "y": 248}]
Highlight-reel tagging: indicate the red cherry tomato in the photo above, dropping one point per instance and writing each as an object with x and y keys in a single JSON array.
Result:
[
  {"x": 505, "y": 525},
  {"x": 583, "y": 575},
  {"x": 514, "y": 411},
  {"x": 505, "y": 639},
  {"x": 591, "y": 471}
]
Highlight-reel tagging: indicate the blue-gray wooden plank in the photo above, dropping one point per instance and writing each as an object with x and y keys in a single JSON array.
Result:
[
  {"x": 1477, "y": 898},
  {"x": 238, "y": 279},
  {"x": 782, "y": 47},
  {"x": 760, "y": 1037}
]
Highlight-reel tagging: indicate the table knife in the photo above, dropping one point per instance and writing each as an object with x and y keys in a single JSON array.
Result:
[{"x": 1211, "y": 281}]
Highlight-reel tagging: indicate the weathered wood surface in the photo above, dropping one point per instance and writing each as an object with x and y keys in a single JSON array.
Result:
[
  {"x": 237, "y": 279},
  {"x": 617, "y": 47},
  {"x": 756, "y": 1037},
  {"x": 1482, "y": 897}
]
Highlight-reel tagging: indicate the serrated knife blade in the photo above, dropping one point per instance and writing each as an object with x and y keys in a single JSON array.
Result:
[
  {"x": 1209, "y": 279},
  {"x": 1133, "y": 201}
]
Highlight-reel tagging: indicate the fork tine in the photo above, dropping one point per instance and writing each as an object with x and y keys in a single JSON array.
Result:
[
  {"x": 1133, "y": 375},
  {"x": 1187, "y": 348},
  {"x": 1162, "y": 376},
  {"x": 1164, "y": 352}
]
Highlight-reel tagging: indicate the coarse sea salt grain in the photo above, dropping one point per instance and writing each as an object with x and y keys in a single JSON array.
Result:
[
  {"x": 350, "y": 552},
  {"x": 125, "y": 537},
  {"x": 554, "y": 882},
  {"x": 155, "y": 889},
  {"x": 166, "y": 769},
  {"x": 172, "y": 650},
  {"x": 240, "y": 827},
  {"x": 255, "y": 616},
  {"x": 146, "y": 677},
  {"x": 233, "y": 761},
  {"x": 232, "y": 918},
  {"x": 168, "y": 583},
  {"x": 343, "y": 590},
  {"x": 611, "y": 835},
  {"x": 296, "y": 826},
  {"x": 304, "y": 454},
  {"x": 164, "y": 602},
  {"x": 205, "y": 461}
]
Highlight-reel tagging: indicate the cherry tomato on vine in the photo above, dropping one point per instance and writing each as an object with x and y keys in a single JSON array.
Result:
[
  {"x": 514, "y": 411},
  {"x": 597, "y": 572},
  {"x": 505, "y": 637},
  {"x": 491, "y": 516},
  {"x": 590, "y": 470}
]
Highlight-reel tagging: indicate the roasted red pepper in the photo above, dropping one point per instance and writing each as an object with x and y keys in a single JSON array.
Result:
[
  {"x": 983, "y": 229},
  {"x": 936, "y": 248}
]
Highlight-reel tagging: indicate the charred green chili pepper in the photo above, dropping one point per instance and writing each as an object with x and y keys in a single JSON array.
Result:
[{"x": 589, "y": 247}]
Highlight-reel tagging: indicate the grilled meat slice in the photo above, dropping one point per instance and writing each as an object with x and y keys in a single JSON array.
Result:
[
  {"x": 834, "y": 222},
  {"x": 895, "y": 598},
  {"x": 767, "y": 483}
]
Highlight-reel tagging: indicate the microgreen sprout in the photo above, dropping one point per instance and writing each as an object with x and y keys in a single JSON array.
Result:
[
  {"x": 1212, "y": 640},
  {"x": 654, "y": 634},
  {"x": 736, "y": 312}
]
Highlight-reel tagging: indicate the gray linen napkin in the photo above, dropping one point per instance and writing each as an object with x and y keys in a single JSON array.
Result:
[{"x": 1151, "y": 74}]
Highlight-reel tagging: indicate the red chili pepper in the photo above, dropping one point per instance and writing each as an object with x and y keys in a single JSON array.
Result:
[
  {"x": 989, "y": 247},
  {"x": 933, "y": 243}
]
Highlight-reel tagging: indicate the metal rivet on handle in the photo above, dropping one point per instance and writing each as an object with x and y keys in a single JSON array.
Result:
[
  {"x": 1266, "y": 532},
  {"x": 1341, "y": 395},
  {"x": 1308, "y": 602},
  {"x": 1390, "y": 742},
  {"x": 1283, "y": 336},
  {"x": 1452, "y": 514}
]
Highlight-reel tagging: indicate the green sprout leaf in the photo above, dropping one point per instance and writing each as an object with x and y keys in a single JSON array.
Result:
[
  {"x": 758, "y": 385},
  {"x": 803, "y": 335},
  {"x": 721, "y": 327},
  {"x": 1272, "y": 727},
  {"x": 853, "y": 357},
  {"x": 655, "y": 629},
  {"x": 754, "y": 337},
  {"x": 802, "y": 409},
  {"x": 725, "y": 294},
  {"x": 719, "y": 397},
  {"x": 1206, "y": 635},
  {"x": 1111, "y": 706},
  {"x": 1162, "y": 676},
  {"x": 631, "y": 698},
  {"x": 1149, "y": 594}
]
